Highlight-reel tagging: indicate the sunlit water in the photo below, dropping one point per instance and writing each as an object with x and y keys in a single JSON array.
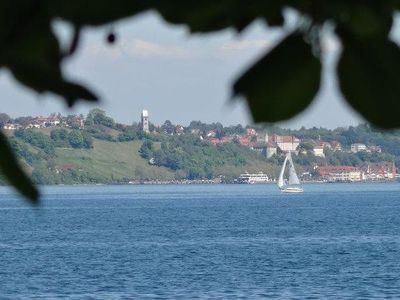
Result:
[{"x": 213, "y": 241}]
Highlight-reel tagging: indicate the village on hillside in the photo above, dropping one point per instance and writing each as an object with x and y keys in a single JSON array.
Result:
[{"x": 267, "y": 144}]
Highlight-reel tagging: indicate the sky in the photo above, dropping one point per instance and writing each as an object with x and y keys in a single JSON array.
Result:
[{"x": 174, "y": 75}]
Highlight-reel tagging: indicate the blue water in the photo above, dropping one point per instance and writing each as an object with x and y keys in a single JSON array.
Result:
[{"x": 338, "y": 241}]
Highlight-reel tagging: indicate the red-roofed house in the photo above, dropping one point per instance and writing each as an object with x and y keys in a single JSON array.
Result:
[
  {"x": 380, "y": 171},
  {"x": 244, "y": 140}
]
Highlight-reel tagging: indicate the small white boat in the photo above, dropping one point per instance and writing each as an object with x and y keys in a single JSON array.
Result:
[{"x": 293, "y": 184}]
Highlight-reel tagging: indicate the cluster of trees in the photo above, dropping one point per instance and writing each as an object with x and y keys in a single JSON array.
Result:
[
  {"x": 42, "y": 174},
  {"x": 98, "y": 117},
  {"x": 59, "y": 137},
  {"x": 22, "y": 150},
  {"x": 131, "y": 133},
  {"x": 74, "y": 138},
  {"x": 43, "y": 163},
  {"x": 4, "y": 119},
  {"x": 169, "y": 128},
  {"x": 191, "y": 157},
  {"x": 38, "y": 150},
  {"x": 220, "y": 130},
  {"x": 98, "y": 125},
  {"x": 36, "y": 139}
]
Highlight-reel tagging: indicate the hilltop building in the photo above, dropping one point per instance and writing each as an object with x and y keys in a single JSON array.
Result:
[
  {"x": 357, "y": 147},
  {"x": 336, "y": 146},
  {"x": 376, "y": 149},
  {"x": 267, "y": 149},
  {"x": 145, "y": 121},
  {"x": 285, "y": 143},
  {"x": 179, "y": 129},
  {"x": 318, "y": 149}
]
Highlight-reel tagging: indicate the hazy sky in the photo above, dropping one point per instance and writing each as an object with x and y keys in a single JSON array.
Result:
[{"x": 174, "y": 75}]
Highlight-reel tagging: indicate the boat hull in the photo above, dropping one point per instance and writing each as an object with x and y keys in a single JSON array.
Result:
[{"x": 292, "y": 190}]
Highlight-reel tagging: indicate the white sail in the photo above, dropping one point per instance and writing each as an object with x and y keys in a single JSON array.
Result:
[
  {"x": 293, "y": 184},
  {"x": 281, "y": 182},
  {"x": 293, "y": 179}
]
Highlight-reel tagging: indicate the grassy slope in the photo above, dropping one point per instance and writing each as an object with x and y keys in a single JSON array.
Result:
[{"x": 112, "y": 160}]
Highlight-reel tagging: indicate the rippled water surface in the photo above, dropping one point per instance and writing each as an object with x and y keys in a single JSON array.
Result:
[{"x": 334, "y": 241}]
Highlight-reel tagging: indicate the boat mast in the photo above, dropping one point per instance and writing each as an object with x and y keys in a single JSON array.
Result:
[{"x": 280, "y": 180}]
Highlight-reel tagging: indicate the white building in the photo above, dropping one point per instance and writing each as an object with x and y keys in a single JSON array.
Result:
[
  {"x": 145, "y": 121},
  {"x": 285, "y": 143},
  {"x": 10, "y": 126},
  {"x": 357, "y": 147},
  {"x": 318, "y": 150}
]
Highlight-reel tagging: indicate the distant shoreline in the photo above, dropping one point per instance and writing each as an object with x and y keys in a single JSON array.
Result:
[{"x": 210, "y": 182}]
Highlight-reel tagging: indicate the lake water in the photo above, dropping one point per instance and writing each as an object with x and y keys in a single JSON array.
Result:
[{"x": 338, "y": 241}]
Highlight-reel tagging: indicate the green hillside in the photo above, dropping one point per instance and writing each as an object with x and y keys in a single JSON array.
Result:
[
  {"x": 111, "y": 161},
  {"x": 99, "y": 150},
  {"x": 97, "y": 155}
]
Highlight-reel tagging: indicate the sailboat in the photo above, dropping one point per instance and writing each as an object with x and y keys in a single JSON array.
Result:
[{"x": 293, "y": 184}]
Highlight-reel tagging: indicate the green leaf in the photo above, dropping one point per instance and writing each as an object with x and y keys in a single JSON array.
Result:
[
  {"x": 34, "y": 58},
  {"x": 211, "y": 15},
  {"x": 14, "y": 174},
  {"x": 200, "y": 16},
  {"x": 369, "y": 21},
  {"x": 95, "y": 12},
  {"x": 283, "y": 82},
  {"x": 369, "y": 78}
]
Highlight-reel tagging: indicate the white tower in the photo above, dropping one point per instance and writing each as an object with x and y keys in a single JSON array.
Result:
[{"x": 145, "y": 121}]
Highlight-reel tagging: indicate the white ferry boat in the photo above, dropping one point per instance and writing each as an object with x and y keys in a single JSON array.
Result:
[{"x": 253, "y": 178}]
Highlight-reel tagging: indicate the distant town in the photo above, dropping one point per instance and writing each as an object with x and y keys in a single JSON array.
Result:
[{"x": 351, "y": 154}]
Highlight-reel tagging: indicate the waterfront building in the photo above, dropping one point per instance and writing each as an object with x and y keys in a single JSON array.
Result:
[
  {"x": 340, "y": 173},
  {"x": 380, "y": 171}
]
